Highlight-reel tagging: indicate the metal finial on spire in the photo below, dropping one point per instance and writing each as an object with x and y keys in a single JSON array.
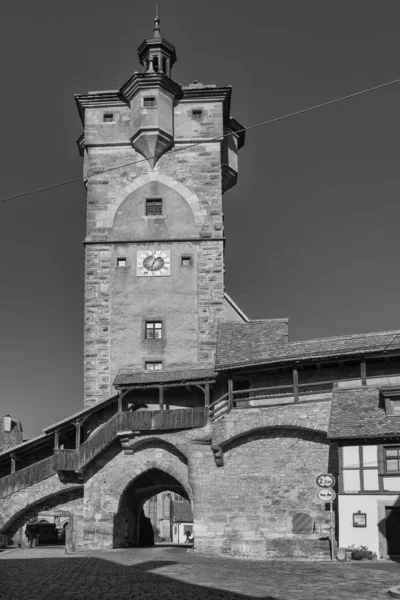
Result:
[{"x": 156, "y": 30}]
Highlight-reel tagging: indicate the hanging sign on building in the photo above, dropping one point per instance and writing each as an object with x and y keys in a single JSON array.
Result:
[
  {"x": 325, "y": 480},
  {"x": 326, "y": 495}
]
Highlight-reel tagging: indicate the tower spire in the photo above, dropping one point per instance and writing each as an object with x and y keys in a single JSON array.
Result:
[{"x": 156, "y": 30}]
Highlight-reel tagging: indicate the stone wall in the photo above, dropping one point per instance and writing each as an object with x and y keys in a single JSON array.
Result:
[
  {"x": 271, "y": 458},
  {"x": 190, "y": 300}
]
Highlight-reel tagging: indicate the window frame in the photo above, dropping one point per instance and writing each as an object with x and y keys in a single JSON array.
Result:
[
  {"x": 147, "y": 98},
  {"x": 383, "y": 461},
  {"x": 121, "y": 258},
  {"x": 186, "y": 257},
  {"x": 154, "y": 322},
  {"x": 391, "y": 394},
  {"x": 197, "y": 114},
  {"x": 152, "y": 201},
  {"x": 108, "y": 120},
  {"x": 153, "y": 362}
]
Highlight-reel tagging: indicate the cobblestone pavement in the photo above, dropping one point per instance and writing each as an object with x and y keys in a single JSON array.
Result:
[{"x": 165, "y": 573}]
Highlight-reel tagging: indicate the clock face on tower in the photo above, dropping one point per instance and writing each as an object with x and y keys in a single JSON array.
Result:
[{"x": 153, "y": 263}]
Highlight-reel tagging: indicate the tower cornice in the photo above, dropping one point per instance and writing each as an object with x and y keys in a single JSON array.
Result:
[
  {"x": 97, "y": 99},
  {"x": 143, "y": 81}
]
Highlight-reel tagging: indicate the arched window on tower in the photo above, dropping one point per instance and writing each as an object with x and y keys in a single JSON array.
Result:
[
  {"x": 164, "y": 65},
  {"x": 155, "y": 64}
]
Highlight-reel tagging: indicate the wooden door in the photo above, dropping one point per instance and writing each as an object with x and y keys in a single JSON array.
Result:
[{"x": 393, "y": 531}]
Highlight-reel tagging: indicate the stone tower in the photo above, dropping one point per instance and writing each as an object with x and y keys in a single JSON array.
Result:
[{"x": 156, "y": 165}]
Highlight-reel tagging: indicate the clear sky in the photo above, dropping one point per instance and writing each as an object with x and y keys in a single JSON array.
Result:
[{"x": 312, "y": 225}]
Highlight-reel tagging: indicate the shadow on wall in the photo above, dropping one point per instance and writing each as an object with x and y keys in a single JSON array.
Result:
[
  {"x": 389, "y": 529},
  {"x": 99, "y": 578}
]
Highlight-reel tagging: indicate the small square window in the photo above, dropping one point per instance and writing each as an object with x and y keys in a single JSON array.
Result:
[
  {"x": 153, "y": 365},
  {"x": 186, "y": 261},
  {"x": 392, "y": 459},
  {"x": 121, "y": 261},
  {"x": 108, "y": 117},
  {"x": 153, "y": 207},
  {"x": 149, "y": 101},
  {"x": 197, "y": 113},
  {"x": 153, "y": 330}
]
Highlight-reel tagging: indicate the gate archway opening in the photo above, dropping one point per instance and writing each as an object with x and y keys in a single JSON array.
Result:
[
  {"x": 131, "y": 526},
  {"x": 64, "y": 499}
]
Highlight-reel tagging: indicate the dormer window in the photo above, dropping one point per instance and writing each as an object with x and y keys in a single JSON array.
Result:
[
  {"x": 108, "y": 117},
  {"x": 392, "y": 400},
  {"x": 149, "y": 102},
  {"x": 197, "y": 114}
]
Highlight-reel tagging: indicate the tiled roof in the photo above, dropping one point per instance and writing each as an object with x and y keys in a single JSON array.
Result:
[
  {"x": 247, "y": 342},
  {"x": 262, "y": 342},
  {"x": 360, "y": 412},
  {"x": 167, "y": 376},
  {"x": 182, "y": 512}
]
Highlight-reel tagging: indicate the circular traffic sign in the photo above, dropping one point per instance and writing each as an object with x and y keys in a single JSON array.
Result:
[
  {"x": 326, "y": 495},
  {"x": 325, "y": 480}
]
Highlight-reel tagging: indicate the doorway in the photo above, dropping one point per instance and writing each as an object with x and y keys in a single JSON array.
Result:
[{"x": 392, "y": 515}]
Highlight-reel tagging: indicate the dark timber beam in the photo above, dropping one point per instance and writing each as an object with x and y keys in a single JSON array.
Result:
[
  {"x": 363, "y": 366},
  {"x": 77, "y": 434},
  {"x": 295, "y": 384},
  {"x": 161, "y": 397},
  {"x": 207, "y": 394},
  {"x": 230, "y": 392}
]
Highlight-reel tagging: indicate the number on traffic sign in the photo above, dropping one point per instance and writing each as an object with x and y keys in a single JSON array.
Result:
[{"x": 325, "y": 480}]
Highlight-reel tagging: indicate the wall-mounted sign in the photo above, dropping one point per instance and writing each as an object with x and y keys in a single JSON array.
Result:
[
  {"x": 359, "y": 519},
  {"x": 326, "y": 495},
  {"x": 325, "y": 480}
]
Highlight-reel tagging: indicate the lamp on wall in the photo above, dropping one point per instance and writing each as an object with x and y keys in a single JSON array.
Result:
[{"x": 359, "y": 519}]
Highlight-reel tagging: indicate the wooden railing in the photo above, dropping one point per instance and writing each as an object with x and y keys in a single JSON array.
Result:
[
  {"x": 74, "y": 460},
  {"x": 143, "y": 420},
  {"x": 27, "y": 476},
  {"x": 240, "y": 398},
  {"x": 66, "y": 460}
]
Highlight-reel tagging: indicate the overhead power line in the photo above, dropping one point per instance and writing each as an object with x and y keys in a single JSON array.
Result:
[{"x": 218, "y": 138}]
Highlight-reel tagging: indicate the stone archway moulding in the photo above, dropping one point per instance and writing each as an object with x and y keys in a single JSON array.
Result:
[
  {"x": 169, "y": 469},
  {"x": 14, "y": 506},
  {"x": 134, "y": 446},
  {"x": 137, "y": 183},
  {"x": 224, "y": 444}
]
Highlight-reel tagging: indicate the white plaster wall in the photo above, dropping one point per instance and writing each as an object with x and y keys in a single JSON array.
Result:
[{"x": 361, "y": 536}]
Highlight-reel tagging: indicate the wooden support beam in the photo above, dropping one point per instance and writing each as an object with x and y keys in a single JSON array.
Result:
[
  {"x": 161, "y": 397},
  {"x": 207, "y": 394},
  {"x": 230, "y": 392},
  {"x": 295, "y": 384},
  {"x": 13, "y": 462},
  {"x": 77, "y": 434},
  {"x": 119, "y": 402},
  {"x": 56, "y": 440},
  {"x": 363, "y": 366}
]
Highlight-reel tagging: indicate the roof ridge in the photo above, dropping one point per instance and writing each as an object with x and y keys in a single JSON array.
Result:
[{"x": 347, "y": 336}]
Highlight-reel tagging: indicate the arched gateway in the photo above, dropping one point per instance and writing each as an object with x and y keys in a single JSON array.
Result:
[{"x": 129, "y": 522}]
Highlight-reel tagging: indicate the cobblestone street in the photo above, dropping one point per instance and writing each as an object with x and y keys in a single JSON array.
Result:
[{"x": 174, "y": 573}]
